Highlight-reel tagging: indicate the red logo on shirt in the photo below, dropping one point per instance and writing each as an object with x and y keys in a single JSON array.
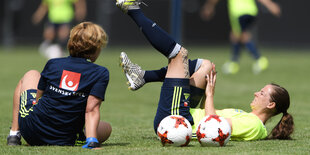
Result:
[{"x": 70, "y": 80}]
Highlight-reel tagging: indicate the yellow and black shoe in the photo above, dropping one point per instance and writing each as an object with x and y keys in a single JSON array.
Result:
[
  {"x": 133, "y": 72},
  {"x": 260, "y": 65},
  {"x": 126, "y": 5},
  {"x": 230, "y": 67}
]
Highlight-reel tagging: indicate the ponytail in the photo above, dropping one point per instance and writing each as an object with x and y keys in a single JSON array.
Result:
[{"x": 283, "y": 129}]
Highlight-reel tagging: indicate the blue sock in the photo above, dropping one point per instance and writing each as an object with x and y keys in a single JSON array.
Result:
[
  {"x": 252, "y": 48},
  {"x": 235, "y": 52},
  {"x": 155, "y": 75},
  {"x": 159, "y": 75},
  {"x": 159, "y": 39}
]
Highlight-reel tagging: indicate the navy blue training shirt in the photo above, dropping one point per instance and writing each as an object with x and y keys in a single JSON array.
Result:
[{"x": 67, "y": 83}]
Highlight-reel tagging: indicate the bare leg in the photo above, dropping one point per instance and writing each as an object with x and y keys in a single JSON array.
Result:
[
  {"x": 234, "y": 38},
  {"x": 63, "y": 32},
  {"x": 245, "y": 37},
  {"x": 63, "y": 35},
  {"x": 198, "y": 78},
  {"x": 16, "y": 98},
  {"x": 29, "y": 81},
  {"x": 49, "y": 33},
  {"x": 178, "y": 66}
]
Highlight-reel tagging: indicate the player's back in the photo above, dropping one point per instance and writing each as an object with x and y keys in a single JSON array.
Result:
[{"x": 67, "y": 83}]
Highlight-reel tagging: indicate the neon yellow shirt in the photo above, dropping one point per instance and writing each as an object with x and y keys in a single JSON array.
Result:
[
  {"x": 237, "y": 8},
  {"x": 245, "y": 126},
  {"x": 60, "y": 11}
]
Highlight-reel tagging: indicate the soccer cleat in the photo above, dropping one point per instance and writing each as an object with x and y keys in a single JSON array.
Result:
[
  {"x": 133, "y": 72},
  {"x": 14, "y": 139},
  {"x": 80, "y": 141},
  {"x": 230, "y": 67},
  {"x": 260, "y": 65},
  {"x": 126, "y": 5}
]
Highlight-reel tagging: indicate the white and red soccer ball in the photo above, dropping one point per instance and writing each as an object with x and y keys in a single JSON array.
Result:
[
  {"x": 174, "y": 130},
  {"x": 213, "y": 130}
]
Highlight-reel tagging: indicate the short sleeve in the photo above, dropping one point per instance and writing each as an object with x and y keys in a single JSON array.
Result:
[
  {"x": 247, "y": 127},
  {"x": 43, "y": 81},
  {"x": 101, "y": 85}
]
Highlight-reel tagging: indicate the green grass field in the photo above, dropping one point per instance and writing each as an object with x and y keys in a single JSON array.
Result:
[{"x": 131, "y": 113}]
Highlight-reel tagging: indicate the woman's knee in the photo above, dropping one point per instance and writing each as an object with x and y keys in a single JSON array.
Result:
[
  {"x": 198, "y": 78},
  {"x": 30, "y": 80},
  {"x": 31, "y": 74},
  {"x": 206, "y": 66},
  {"x": 245, "y": 37}
]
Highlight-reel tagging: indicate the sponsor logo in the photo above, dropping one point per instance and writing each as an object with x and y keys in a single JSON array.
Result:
[
  {"x": 186, "y": 95},
  {"x": 70, "y": 80},
  {"x": 34, "y": 95},
  {"x": 185, "y": 104},
  {"x": 67, "y": 93}
]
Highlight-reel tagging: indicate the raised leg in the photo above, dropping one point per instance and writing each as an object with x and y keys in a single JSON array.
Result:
[{"x": 178, "y": 66}]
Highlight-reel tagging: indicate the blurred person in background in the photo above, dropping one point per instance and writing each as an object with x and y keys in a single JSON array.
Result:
[
  {"x": 242, "y": 15},
  {"x": 56, "y": 30}
]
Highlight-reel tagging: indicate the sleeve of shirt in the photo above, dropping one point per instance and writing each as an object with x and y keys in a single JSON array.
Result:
[
  {"x": 100, "y": 87},
  {"x": 246, "y": 128},
  {"x": 43, "y": 82}
]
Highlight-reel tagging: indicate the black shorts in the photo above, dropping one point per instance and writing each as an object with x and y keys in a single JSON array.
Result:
[
  {"x": 34, "y": 133},
  {"x": 25, "y": 121},
  {"x": 246, "y": 21},
  {"x": 174, "y": 100}
]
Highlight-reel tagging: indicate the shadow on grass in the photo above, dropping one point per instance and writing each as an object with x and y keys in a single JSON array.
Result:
[
  {"x": 104, "y": 144},
  {"x": 190, "y": 145},
  {"x": 115, "y": 144}
]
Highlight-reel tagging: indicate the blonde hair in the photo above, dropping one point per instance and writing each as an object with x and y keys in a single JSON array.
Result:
[{"x": 85, "y": 39}]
